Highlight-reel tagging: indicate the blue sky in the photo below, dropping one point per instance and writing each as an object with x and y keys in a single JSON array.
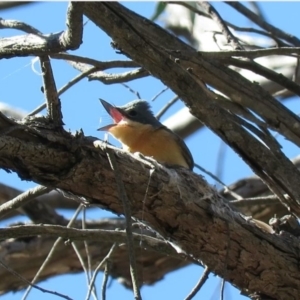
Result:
[{"x": 20, "y": 87}]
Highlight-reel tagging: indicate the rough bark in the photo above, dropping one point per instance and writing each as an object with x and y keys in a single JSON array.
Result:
[{"x": 179, "y": 205}]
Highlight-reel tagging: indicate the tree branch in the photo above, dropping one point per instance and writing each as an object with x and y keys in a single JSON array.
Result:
[
  {"x": 263, "y": 24},
  {"x": 231, "y": 39},
  {"x": 72, "y": 37},
  {"x": 52, "y": 100},
  {"x": 188, "y": 202},
  {"x": 25, "y": 255}
]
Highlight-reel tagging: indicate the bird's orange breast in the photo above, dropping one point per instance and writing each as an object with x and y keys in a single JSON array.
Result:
[{"x": 158, "y": 143}]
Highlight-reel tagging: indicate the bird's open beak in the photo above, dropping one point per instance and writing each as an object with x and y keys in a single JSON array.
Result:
[{"x": 114, "y": 112}]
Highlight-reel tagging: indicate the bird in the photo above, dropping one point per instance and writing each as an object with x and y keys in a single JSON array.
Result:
[{"x": 138, "y": 130}]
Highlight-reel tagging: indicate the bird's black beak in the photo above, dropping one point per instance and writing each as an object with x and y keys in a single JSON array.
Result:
[
  {"x": 108, "y": 107},
  {"x": 114, "y": 112}
]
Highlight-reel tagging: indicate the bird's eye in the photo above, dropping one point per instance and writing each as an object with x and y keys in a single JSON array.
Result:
[{"x": 132, "y": 113}]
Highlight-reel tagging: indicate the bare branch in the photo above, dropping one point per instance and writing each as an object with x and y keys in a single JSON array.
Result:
[
  {"x": 112, "y": 78},
  {"x": 72, "y": 37},
  {"x": 231, "y": 39},
  {"x": 264, "y": 200},
  {"x": 201, "y": 13},
  {"x": 136, "y": 93},
  {"x": 257, "y": 9},
  {"x": 159, "y": 93},
  {"x": 92, "y": 282},
  {"x": 53, "y": 102},
  {"x": 251, "y": 53},
  {"x": 127, "y": 212},
  {"x": 166, "y": 107},
  {"x": 50, "y": 255},
  {"x": 65, "y": 88},
  {"x": 101, "y": 65},
  {"x": 263, "y": 24},
  {"x": 267, "y": 73},
  {"x": 105, "y": 279},
  {"x": 199, "y": 284},
  {"x": 33, "y": 285},
  {"x": 22, "y": 199},
  {"x": 14, "y": 24},
  {"x": 37, "y": 44},
  {"x": 75, "y": 234}
]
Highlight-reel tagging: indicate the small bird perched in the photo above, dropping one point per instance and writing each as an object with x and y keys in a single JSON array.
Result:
[{"x": 138, "y": 130}]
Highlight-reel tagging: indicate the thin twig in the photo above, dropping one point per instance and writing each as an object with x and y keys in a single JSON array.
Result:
[
  {"x": 50, "y": 254},
  {"x": 105, "y": 279},
  {"x": 257, "y": 9},
  {"x": 65, "y": 88},
  {"x": 263, "y": 24},
  {"x": 220, "y": 159},
  {"x": 92, "y": 282},
  {"x": 263, "y": 200},
  {"x": 127, "y": 213},
  {"x": 202, "y": 14},
  {"x": 231, "y": 39},
  {"x": 86, "y": 246},
  {"x": 112, "y": 78},
  {"x": 267, "y": 73},
  {"x": 231, "y": 192},
  {"x": 158, "y": 94},
  {"x": 222, "y": 289},
  {"x": 23, "y": 198},
  {"x": 75, "y": 234},
  {"x": 14, "y": 24},
  {"x": 85, "y": 270},
  {"x": 289, "y": 51},
  {"x": 279, "y": 43},
  {"x": 50, "y": 91},
  {"x": 131, "y": 90},
  {"x": 101, "y": 65},
  {"x": 151, "y": 171},
  {"x": 166, "y": 107},
  {"x": 199, "y": 284},
  {"x": 7, "y": 268}
]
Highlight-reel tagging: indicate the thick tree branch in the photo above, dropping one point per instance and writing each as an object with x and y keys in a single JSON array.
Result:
[
  {"x": 72, "y": 37},
  {"x": 37, "y": 44},
  {"x": 176, "y": 201}
]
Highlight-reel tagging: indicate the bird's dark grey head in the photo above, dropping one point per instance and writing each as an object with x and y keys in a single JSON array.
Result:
[{"x": 139, "y": 111}]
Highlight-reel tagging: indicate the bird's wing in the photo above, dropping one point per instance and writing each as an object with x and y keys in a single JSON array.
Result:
[{"x": 184, "y": 149}]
